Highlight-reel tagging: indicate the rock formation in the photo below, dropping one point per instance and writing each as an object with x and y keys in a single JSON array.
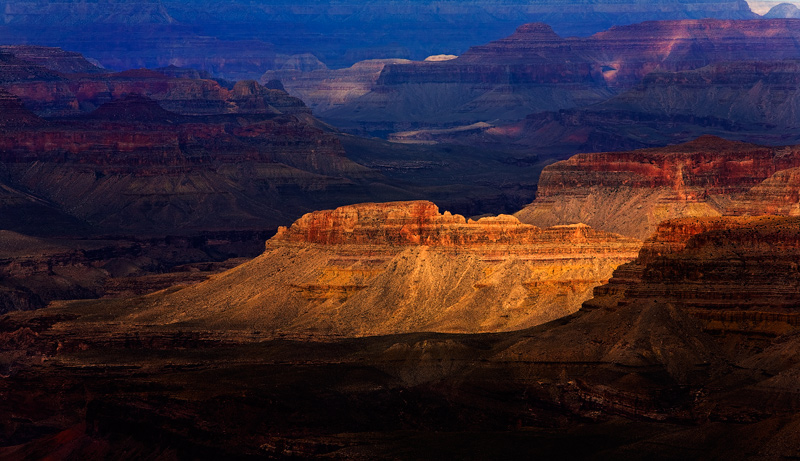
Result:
[
  {"x": 689, "y": 350},
  {"x": 55, "y": 59},
  {"x": 631, "y": 192},
  {"x": 707, "y": 267},
  {"x": 133, "y": 165},
  {"x": 401, "y": 267},
  {"x": 240, "y": 40},
  {"x": 755, "y": 101},
  {"x": 535, "y": 70}
]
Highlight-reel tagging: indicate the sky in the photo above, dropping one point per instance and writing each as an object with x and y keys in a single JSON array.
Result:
[{"x": 762, "y": 6}]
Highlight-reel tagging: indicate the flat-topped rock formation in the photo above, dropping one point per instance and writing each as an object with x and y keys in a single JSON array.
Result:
[
  {"x": 401, "y": 267},
  {"x": 55, "y": 59},
  {"x": 631, "y": 192}
]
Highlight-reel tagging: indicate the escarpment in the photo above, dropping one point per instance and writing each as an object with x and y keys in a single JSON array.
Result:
[
  {"x": 631, "y": 192},
  {"x": 733, "y": 273},
  {"x": 401, "y": 267},
  {"x": 535, "y": 70},
  {"x": 132, "y": 165}
]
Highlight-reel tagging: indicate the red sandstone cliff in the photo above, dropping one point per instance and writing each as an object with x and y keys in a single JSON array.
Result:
[{"x": 631, "y": 192}]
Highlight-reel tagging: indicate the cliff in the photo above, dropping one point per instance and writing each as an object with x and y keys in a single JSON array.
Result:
[
  {"x": 401, "y": 267},
  {"x": 55, "y": 59},
  {"x": 535, "y": 70},
  {"x": 82, "y": 94},
  {"x": 13, "y": 113},
  {"x": 732, "y": 273},
  {"x": 631, "y": 192},
  {"x": 691, "y": 348},
  {"x": 239, "y": 40},
  {"x": 133, "y": 165}
]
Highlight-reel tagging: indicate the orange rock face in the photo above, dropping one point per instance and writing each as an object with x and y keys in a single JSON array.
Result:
[
  {"x": 401, "y": 267},
  {"x": 631, "y": 192},
  {"x": 420, "y": 223}
]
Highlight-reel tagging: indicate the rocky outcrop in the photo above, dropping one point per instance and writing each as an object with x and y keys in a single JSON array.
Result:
[
  {"x": 187, "y": 96},
  {"x": 402, "y": 267},
  {"x": 779, "y": 194},
  {"x": 753, "y": 101},
  {"x": 13, "y": 113},
  {"x": 235, "y": 39},
  {"x": 631, "y": 192},
  {"x": 733, "y": 273},
  {"x": 691, "y": 348}
]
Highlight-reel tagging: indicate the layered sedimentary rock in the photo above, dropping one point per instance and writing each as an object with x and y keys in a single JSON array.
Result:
[
  {"x": 758, "y": 101},
  {"x": 754, "y": 101},
  {"x": 535, "y": 70},
  {"x": 13, "y": 112},
  {"x": 733, "y": 273},
  {"x": 82, "y": 94},
  {"x": 234, "y": 39},
  {"x": 631, "y": 192},
  {"x": 779, "y": 194},
  {"x": 53, "y": 82},
  {"x": 133, "y": 165},
  {"x": 401, "y": 267},
  {"x": 55, "y": 59}
]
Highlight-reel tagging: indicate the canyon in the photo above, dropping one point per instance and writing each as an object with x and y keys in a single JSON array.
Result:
[
  {"x": 687, "y": 348},
  {"x": 534, "y": 70},
  {"x": 240, "y": 40},
  {"x": 197, "y": 265}
]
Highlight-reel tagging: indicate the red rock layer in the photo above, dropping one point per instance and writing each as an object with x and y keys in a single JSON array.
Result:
[
  {"x": 132, "y": 165},
  {"x": 734, "y": 273},
  {"x": 631, "y": 192},
  {"x": 706, "y": 166},
  {"x": 420, "y": 223},
  {"x": 182, "y": 95},
  {"x": 53, "y": 82}
]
